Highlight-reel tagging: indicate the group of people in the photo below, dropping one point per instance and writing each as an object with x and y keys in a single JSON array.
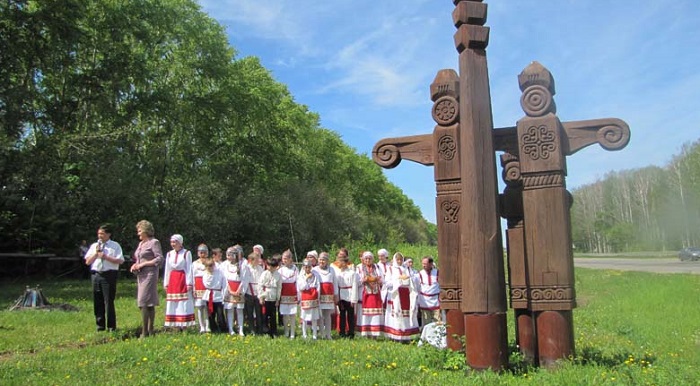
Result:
[{"x": 383, "y": 298}]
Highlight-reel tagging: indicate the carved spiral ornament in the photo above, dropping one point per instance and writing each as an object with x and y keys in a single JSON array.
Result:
[
  {"x": 451, "y": 295},
  {"x": 613, "y": 137},
  {"x": 445, "y": 110},
  {"x": 387, "y": 156},
  {"x": 537, "y": 101},
  {"x": 511, "y": 172},
  {"x": 551, "y": 294},
  {"x": 450, "y": 211},
  {"x": 518, "y": 294},
  {"x": 447, "y": 147}
]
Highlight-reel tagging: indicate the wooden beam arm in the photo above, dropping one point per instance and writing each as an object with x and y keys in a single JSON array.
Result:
[
  {"x": 389, "y": 152},
  {"x": 611, "y": 133}
]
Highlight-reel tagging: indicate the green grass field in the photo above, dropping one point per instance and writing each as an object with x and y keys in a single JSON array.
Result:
[{"x": 631, "y": 329}]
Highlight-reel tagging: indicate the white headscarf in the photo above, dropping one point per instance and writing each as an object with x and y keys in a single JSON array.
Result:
[
  {"x": 312, "y": 253},
  {"x": 393, "y": 260},
  {"x": 178, "y": 238}
]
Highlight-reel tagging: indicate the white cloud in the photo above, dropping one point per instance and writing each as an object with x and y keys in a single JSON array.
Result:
[{"x": 366, "y": 66}]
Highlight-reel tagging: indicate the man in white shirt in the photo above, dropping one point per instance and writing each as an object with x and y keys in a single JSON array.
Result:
[
  {"x": 429, "y": 295},
  {"x": 104, "y": 258}
]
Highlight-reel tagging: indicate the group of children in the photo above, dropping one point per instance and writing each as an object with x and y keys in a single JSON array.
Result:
[{"x": 223, "y": 293}]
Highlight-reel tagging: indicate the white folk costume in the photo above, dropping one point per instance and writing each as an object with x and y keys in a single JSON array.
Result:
[
  {"x": 429, "y": 296},
  {"x": 270, "y": 286},
  {"x": 309, "y": 291},
  {"x": 234, "y": 293},
  {"x": 329, "y": 290},
  {"x": 179, "y": 306},
  {"x": 289, "y": 301},
  {"x": 197, "y": 273},
  {"x": 214, "y": 286},
  {"x": 401, "y": 316},
  {"x": 348, "y": 295},
  {"x": 253, "y": 309},
  {"x": 383, "y": 269},
  {"x": 370, "y": 315},
  {"x": 270, "y": 292}
]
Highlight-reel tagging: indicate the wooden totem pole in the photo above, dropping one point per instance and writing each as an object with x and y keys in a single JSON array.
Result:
[
  {"x": 536, "y": 205},
  {"x": 441, "y": 150},
  {"x": 469, "y": 236}
]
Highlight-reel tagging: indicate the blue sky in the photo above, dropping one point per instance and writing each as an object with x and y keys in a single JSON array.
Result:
[{"x": 365, "y": 66}]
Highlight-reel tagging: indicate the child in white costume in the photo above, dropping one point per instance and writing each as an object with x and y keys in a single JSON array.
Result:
[
  {"x": 214, "y": 284},
  {"x": 309, "y": 286},
  {"x": 329, "y": 294},
  {"x": 237, "y": 283},
  {"x": 289, "y": 301},
  {"x": 197, "y": 273}
]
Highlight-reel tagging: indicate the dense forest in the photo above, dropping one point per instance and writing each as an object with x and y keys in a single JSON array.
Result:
[
  {"x": 117, "y": 111},
  {"x": 649, "y": 209}
]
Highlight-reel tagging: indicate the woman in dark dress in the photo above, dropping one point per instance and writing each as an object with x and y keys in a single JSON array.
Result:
[{"x": 148, "y": 257}]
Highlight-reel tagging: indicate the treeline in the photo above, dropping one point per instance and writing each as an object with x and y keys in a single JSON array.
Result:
[
  {"x": 649, "y": 209},
  {"x": 126, "y": 110}
]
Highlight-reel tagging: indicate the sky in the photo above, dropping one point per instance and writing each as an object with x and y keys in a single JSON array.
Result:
[{"x": 365, "y": 66}]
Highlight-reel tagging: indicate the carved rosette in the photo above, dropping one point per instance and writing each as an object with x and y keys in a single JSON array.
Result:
[
  {"x": 447, "y": 147},
  {"x": 537, "y": 101},
  {"x": 446, "y": 110},
  {"x": 538, "y": 142},
  {"x": 450, "y": 211}
]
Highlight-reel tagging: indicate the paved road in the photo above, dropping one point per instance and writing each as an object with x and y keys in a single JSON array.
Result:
[{"x": 667, "y": 265}]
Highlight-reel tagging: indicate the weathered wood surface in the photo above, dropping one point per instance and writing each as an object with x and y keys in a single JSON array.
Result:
[{"x": 535, "y": 202}]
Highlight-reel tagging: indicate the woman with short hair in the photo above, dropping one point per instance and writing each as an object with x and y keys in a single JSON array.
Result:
[{"x": 148, "y": 257}]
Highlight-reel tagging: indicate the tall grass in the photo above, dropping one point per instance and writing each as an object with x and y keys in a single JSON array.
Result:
[{"x": 631, "y": 328}]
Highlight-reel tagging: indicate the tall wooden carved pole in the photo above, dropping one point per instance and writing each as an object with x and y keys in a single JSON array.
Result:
[
  {"x": 511, "y": 206},
  {"x": 536, "y": 205},
  {"x": 439, "y": 149},
  {"x": 482, "y": 271}
]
